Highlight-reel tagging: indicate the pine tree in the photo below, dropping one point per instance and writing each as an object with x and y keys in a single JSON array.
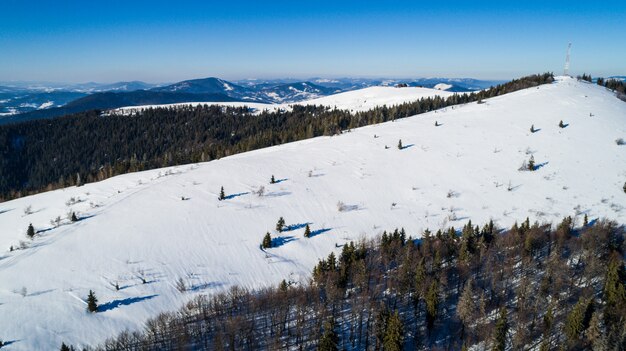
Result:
[
  {"x": 30, "y": 232},
  {"x": 92, "y": 302},
  {"x": 74, "y": 218},
  {"x": 267, "y": 241},
  {"x": 532, "y": 128},
  {"x": 329, "y": 339},
  {"x": 272, "y": 180},
  {"x": 624, "y": 188},
  {"x": 394, "y": 333},
  {"x": 502, "y": 328},
  {"x": 400, "y": 144},
  {"x": 531, "y": 163},
  {"x": 64, "y": 347},
  {"x": 283, "y": 286},
  {"x": 222, "y": 195},
  {"x": 437, "y": 124},
  {"x": 585, "y": 221},
  {"x": 561, "y": 125},
  {"x": 280, "y": 225},
  {"x": 307, "y": 231}
]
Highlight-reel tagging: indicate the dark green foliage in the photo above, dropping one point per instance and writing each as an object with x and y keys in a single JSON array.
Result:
[
  {"x": 66, "y": 348},
  {"x": 432, "y": 304},
  {"x": 394, "y": 333},
  {"x": 272, "y": 180},
  {"x": 92, "y": 302},
  {"x": 74, "y": 218},
  {"x": 329, "y": 339},
  {"x": 561, "y": 125},
  {"x": 586, "y": 77},
  {"x": 585, "y": 220},
  {"x": 578, "y": 319},
  {"x": 267, "y": 241},
  {"x": 283, "y": 286},
  {"x": 624, "y": 187},
  {"x": 280, "y": 225},
  {"x": 30, "y": 232},
  {"x": 501, "y": 330},
  {"x": 40, "y": 155},
  {"x": 532, "y": 128},
  {"x": 307, "y": 231},
  {"x": 400, "y": 144},
  {"x": 222, "y": 195}
]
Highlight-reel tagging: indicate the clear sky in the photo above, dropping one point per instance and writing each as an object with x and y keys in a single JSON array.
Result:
[{"x": 164, "y": 41}]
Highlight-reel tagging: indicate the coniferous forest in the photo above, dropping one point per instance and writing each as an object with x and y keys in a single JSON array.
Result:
[
  {"x": 90, "y": 146},
  {"x": 533, "y": 286}
]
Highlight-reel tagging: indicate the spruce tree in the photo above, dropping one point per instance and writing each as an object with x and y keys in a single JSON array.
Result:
[
  {"x": 432, "y": 304},
  {"x": 585, "y": 221},
  {"x": 280, "y": 225},
  {"x": 307, "y": 231},
  {"x": 400, "y": 144},
  {"x": 394, "y": 333},
  {"x": 222, "y": 194},
  {"x": 578, "y": 319},
  {"x": 532, "y": 128},
  {"x": 272, "y": 180},
  {"x": 30, "y": 232},
  {"x": 624, "y": 188},
  {"x": 74, "y": 218},
  {"x": 267, "y": 241},
  {"x": 92, "y": 302},
  {"x": 329, "y": 340},
  {"x": 502, "y": 328},
  {"x": 561, "y": 125},
  {"x": 64, "y": 347}
]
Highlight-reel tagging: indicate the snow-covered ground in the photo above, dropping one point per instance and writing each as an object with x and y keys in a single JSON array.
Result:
[
  {"x": 137, "y": 226},
  {"x": 355, "y": 100}
]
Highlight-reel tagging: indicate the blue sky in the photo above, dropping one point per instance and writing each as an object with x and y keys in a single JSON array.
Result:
[{"x": 164, "y": 41}]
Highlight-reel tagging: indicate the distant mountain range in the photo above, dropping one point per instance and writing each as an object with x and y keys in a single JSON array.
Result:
[{"x": 22, "y": 101}]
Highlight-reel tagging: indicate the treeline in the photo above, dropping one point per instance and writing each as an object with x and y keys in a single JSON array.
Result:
[
  {"x": 528, "y": 287},
  {"x": 619, "y": 86},
  {"x": 91, "y": 146}
]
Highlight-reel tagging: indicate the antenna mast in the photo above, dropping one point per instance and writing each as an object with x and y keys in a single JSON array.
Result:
[{"x": 566, "y": 69}]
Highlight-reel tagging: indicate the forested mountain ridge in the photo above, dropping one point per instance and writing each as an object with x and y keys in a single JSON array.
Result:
[{"x": 40, "y": 155}]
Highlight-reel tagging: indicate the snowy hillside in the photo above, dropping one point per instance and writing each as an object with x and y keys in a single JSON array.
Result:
[
  {"x": 161, "y": 226},
  {"x": 355, "y": 100}
]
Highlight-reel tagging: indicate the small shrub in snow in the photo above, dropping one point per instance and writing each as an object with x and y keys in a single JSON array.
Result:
[
  {"x": 400, "y": 144},
  {"x": 532, "y": 128},
  {"x": 180, "y": 285},
  {"x": 561, "y": 125},
  {"x": 28, "y": 210},
  {"x": 222, "y": 194},
  {"x": 307, "y": 231},
  {"x": 341, "y": 207},
  {"x": 624, "y": 188},
  {"x": 56, "y": 222},
  {"x": 531, "y": 163},
  {"x": 620, "y": 141},
  {"x": 30, "y": 232},
  {"x": 23, "y": 291},
  {"x": 310, "y": 174},
  {"x": 261, "y": 191},
  {"x": 272, "y": 180},
  {"x": 23, "y": 245}
]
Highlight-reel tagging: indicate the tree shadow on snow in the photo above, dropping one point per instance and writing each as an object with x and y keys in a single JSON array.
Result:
[
  {"x": 407, "y": 146},
  {"x": 278, "y": 194},
  {"x": 537, "y": 166},
  {"x": 232, "y": 196},
  {"x": 9, "y": 342},
  {"x": 319, "y": 231},
  {"x": 204, "y": 286},
  {"x": 282, "y": 240},
  {"x": 123, "y": 302},
  {"x": 6, "y": 210},
  {"x": 295, "y": 226},
  {"x": 280, "y": 180}
]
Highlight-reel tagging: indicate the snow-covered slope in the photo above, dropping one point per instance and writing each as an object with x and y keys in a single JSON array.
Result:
[
  {"x": 138, "y": 226},
  {"x": 355, "y": 100}
]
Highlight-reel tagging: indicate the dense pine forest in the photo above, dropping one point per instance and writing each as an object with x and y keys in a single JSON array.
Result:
[
  {"x": 85, "y": 147},
  {"x": 533, "y": 286}
]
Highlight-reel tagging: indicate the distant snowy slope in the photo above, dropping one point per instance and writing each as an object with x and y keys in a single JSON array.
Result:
[
  {"x": 355, "y": 100},
  {"x": 167, "y": 224}
]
